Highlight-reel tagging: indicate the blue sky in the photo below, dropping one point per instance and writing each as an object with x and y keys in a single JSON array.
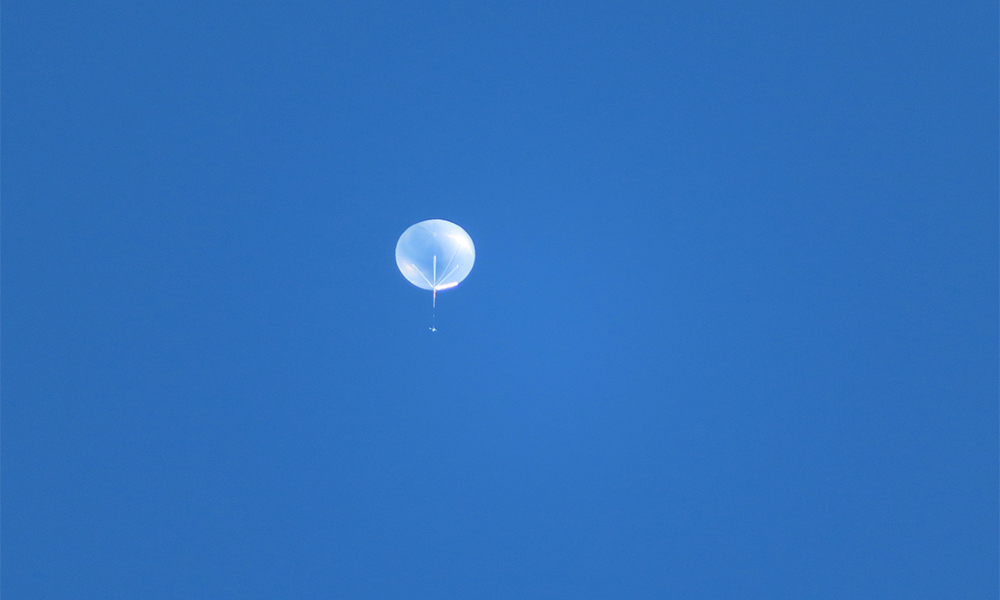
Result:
[{"x": 731, "y": 333}]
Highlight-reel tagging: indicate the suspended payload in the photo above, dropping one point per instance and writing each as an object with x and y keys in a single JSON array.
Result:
[{"x": 435, "y": 255}]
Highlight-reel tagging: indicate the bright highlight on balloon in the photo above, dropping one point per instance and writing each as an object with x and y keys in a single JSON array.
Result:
[{"x": 435, "y": 255}]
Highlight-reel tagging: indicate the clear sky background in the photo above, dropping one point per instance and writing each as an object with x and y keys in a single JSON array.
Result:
[{"x": 732, "y": 330}]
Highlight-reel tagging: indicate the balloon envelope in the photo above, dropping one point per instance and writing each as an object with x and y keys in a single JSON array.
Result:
[{"x": 435, "y": 254}]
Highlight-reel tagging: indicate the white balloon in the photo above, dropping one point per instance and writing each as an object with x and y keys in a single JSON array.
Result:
[{"x": 435, "y": 254}]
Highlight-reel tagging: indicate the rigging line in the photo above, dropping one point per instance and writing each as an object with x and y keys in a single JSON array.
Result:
[
  {"x": 453, "y": 254},
  {"x": 421, "y": 273},
  {"x": 453, "y": 269}
]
